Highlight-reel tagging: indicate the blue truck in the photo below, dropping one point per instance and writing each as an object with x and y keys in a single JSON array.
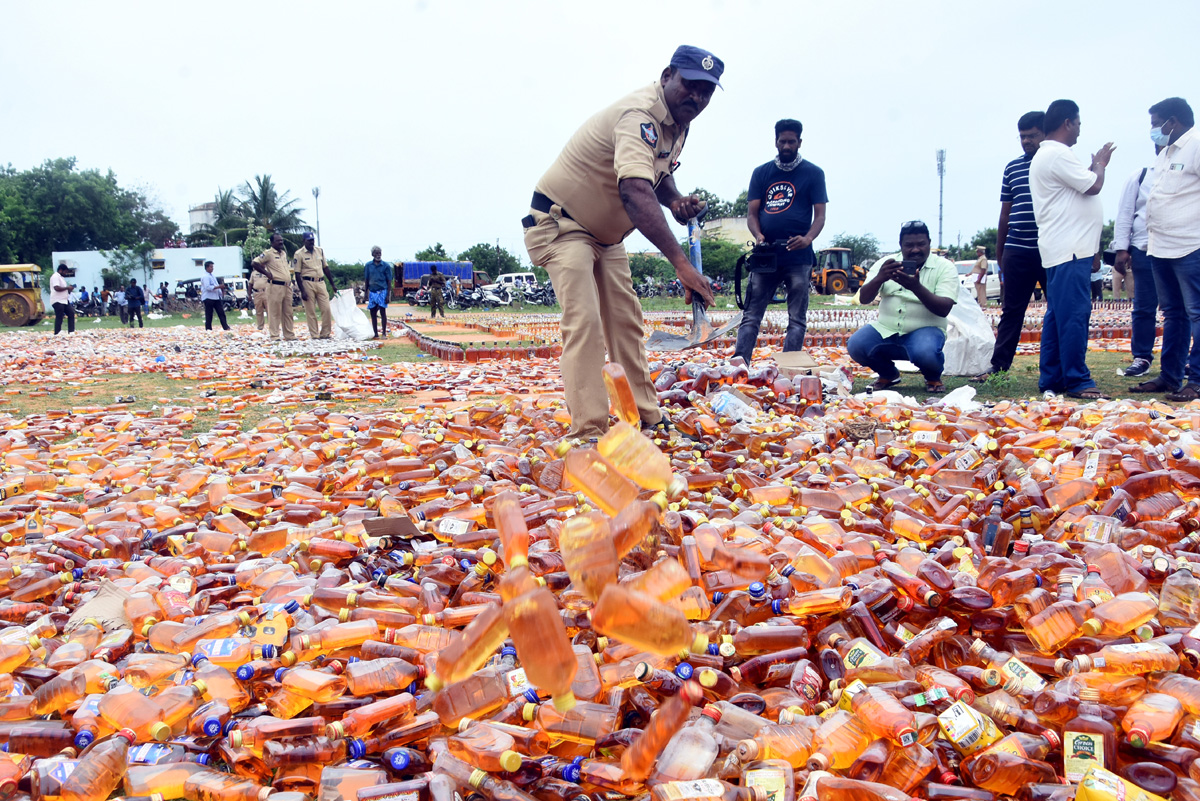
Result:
[{"x": 411, "y": 275}]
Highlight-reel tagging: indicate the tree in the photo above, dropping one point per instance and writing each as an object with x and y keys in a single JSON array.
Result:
[
  {"x": 126, "y": 260},
  {"x": 257, "y": 240},
  {"x": 279, "y": 214},
  {"x": 435, "y": 253},
  {"x": 718, "y": 257},
  {"x": 57, "y": 207},
  {"x": 741, "y": 206},
  {"x": 345, "y": 275},
  {"x": 1106, "y": 235},
  {"x": 987, "y": 238},
  {"x": 491, "y": 259},
  {"x": 717, "y": 208},
  {"x": 864, "y": 249},
  {"x": 642, "y": 265},
  {"x": 229, "y": 223}
]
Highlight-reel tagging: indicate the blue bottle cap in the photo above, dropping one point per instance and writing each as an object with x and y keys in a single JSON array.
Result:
[
  {"x": 400, "y": 760},
  {"x": 757, "y": 590},
  {"x": 570, "y": 772},
  {"x": 1177, "y": 453},
  {"x": 465, "y": 564},
  {"x": 777, "y": 606},
  {"x": 684, "y": 670},
  {"x": 787, "y": 571},
  {"x": 532, "y": 696},
  {"x": 355, "y": 748},
  {"x": 77, "y": 573},
  {"x": 244, "y": 673},
  {"x": 212, "y": 727},
  {"x": 198, "y": 658},
  {"x": 203, "y": 759},
  {"x": 714, "y": 649},
  {"x": 718, "y": 597},
  {"x": 352, "y": 660},
  {"x": 508, "y": 650},
  {"x": 270, "y": 652},
  {"x": 230, "y": 725},
  {"x": 4, "y": 748},
  {"x": 291, "y": 606},
  {"x": 279, "y": 673},
  {"x": 83, "y": 739},
  {"x": 377, "y": 572},
  {"x": 854, "y": 587}
]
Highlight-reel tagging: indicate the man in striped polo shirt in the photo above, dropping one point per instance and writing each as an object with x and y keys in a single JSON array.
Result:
[{"x": 1017, "y": 245}]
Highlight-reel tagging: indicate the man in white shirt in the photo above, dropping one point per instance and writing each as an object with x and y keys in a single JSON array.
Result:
[
  {"x": 212, "y": 293},
  {"x": 60, "y": 299},
  {"x": 1129, "y": 242},
  {"x": 1173, "y": 245},
  {"x": 1069, "y": 215}
]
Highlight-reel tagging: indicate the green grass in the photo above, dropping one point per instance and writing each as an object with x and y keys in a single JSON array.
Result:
[{"x": 1021, "y": 381}]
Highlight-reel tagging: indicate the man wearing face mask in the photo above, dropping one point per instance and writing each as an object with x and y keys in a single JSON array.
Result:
[
  {"x": 915, "y": 296},
  {"x": 610, "y": 179},
  {"x": 787, "y": 208},
  {"x": 1173, "y": 244}
]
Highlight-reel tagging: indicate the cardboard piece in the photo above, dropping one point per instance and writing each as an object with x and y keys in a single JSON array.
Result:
[
  {"x": 796, "y": 362},
  {"x": 107, "y": 606},
  {"x": 400, "y": 526}
]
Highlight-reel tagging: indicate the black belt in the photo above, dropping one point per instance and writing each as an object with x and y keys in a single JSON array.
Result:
[
  {"x": 312, "y": 279},
  {"x": 541, "y": 203},
  {"x": 278, "y": 283}
]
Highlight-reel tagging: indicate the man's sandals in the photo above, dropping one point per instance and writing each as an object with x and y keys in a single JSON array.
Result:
[{"x": 1090, "y": 394}]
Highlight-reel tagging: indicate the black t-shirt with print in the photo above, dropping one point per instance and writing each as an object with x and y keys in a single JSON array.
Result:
[{"x": 787, "y": 199}]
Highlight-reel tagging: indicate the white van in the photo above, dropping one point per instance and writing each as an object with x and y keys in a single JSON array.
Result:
[
  {"x": 509, "y": 280},
  {"x": 235, "y": 287}
]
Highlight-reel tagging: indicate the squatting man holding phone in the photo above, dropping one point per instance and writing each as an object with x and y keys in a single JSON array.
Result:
[{"x": 915, "y": 296}]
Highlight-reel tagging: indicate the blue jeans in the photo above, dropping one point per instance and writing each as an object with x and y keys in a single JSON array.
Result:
[
  {"x": 759, "y": 292},
  {"x": 1065, "y": 329},
  {"x": 922, "y": 347},
  {"x": 1178, "y": 284},
  {"x": 1145, "y": 305}
]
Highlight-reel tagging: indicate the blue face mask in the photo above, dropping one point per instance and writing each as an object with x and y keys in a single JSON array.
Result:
[{"x": 1159, "y": 138}]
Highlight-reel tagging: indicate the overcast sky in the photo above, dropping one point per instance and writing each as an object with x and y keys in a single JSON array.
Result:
[{"x": 431, "y": 121}]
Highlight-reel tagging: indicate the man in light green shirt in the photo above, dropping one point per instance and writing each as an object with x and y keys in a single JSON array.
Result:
[{"x": 915, "y": 295}]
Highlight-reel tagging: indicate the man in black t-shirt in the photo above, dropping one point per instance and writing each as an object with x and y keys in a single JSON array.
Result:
[{"x": 787, "y": 208}]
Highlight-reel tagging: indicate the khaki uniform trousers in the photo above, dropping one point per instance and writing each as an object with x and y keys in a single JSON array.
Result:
[
  {"x": 260, "y": 308},
  {"x": 436, "y": 301},
  {"x": 317, "y": 298},
  {"x": 601, "y": 312},
  {"x": 279, "y": 311},
  {"x": 981, "y": 294}
]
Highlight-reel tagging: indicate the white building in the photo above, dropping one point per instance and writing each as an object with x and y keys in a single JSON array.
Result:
[
  {"x": 730, "y": 229},
  {"x": 166, "y": 264}
]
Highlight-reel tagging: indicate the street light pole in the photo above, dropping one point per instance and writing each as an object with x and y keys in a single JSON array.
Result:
[{"x": 317, "y": 204}]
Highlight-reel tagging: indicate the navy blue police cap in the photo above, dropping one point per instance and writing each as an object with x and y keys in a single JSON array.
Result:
[{"x": 697, "y": 64}]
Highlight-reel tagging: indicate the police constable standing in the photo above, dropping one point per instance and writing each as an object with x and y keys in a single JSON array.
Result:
[
  {"x": 311, "y": 271},
  {"x": 437, "y": 298},
  {"x": 258, "y": 286},
  {"x": 273, "y": 263},
  {"x": 610, "y": 178}
]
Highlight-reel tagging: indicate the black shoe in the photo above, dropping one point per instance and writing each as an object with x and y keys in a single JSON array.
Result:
[
  {"x": 1152, "y": 387},
  {"x": 1184, "y": 395}
]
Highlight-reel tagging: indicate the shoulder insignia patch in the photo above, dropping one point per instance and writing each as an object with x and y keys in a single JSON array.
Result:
[{"x": 649, "y": 134}]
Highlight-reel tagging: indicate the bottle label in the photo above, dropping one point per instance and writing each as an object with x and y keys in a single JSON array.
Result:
[
  {"x": 905, "y": 633},
  {"x": 1011, "y": 746},
  {"x": 1098, "y": 529},
  {"x": 1091, "y": 464},
  {"x": 1016, "y": 669},
  {"x": 773, "y": 780},
  {"x": 62, "y": 770},
  {"x": 1081, "y": 751},
  {"x": 453, "y": 526},
  {"x": 924, "y": 436},
  {"x": 967, "y": 460},
  {"x": 1137, "y": 648},
  {"x": 930, "y": 696},
  {"x": 273, "y": 631},
  {"x": 517, "y": 682},
  {"x": 862, "y": 655},
  {"x": 217, "y": 648},
  {"x": 967, "y": 729},
  {"x": 845, "y": 701},
  {"x": 148, "y": 754},
  {"x": 1097, "y": 594},
  {"x": 700, "y": 788}
]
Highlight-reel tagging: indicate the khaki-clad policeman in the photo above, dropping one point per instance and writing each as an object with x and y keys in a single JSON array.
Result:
[
  {"x": 311, "y": 271},
  {"x": 610, "y": 179},
  {"x": 259, "y": 286},
  {"x": 273, "y": 263}
]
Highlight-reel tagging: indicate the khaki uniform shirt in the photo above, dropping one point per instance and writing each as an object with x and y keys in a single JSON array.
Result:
[
  {"x": 309, "y": 265},
  {"x": 635, "y": 137},
  {"x": 258, "y": 282},
  {"x": 275, "y": 263},
  {"x": 437, "y": 283}
]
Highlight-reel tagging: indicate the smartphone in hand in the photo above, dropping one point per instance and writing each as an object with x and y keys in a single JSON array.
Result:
[{"x": 910, "y": 267}]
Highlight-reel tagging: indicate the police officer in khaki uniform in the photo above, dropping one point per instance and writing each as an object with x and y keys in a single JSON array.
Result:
[
  {"x": 311, "y": 271},
  {"x": 611, "y": 178},
  {"x": 259, "y": 286},
  {"x": 273, "y": 263}
]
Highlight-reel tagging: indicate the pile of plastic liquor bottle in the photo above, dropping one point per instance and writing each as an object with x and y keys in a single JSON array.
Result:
[{"x": 951, "y": 605}]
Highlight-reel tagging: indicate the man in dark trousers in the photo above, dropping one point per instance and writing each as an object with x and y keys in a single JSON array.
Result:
[
  {"x": 787, "y": 209},
  {"x": 437, "y": 288},
  {"x": 1017, "y": 245},
  {"x": 135, "y": 297}
]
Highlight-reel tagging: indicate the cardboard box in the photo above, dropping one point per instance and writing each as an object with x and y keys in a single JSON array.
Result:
[{"x": 794, "y": 363}]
